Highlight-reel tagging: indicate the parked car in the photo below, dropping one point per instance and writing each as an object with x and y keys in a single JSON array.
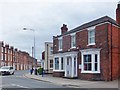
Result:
[{"x": 7, "y": 70}]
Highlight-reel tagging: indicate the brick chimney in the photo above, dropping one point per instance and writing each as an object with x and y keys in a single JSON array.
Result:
[
  {"x": 7, "y": 46},
  {"x": 64, "y": 29},
  {"x": 1, "y": 43},
  {"x": 118, "y": 13}
]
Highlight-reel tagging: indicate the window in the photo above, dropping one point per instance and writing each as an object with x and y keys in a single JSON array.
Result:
[
  {"x": 90, "y": 61},
  {"x": 56, "y": 63},
  {"x": 5, "y": 56},
  {"x": 11, "y": 68},
  {"x": 60, "y": 44},
  {"x": 91, "y": 37},
  {"x": 1, "y": 49},
  {"x": 73, "y": 41},
  {"x": 87, "y": 63},
  {"x": 61, "y": 63},
  {"x": 1, "y": 56},
  {"x": 96, "y": 62},
  {"x": 51, "y": 50},
  {"x": 5, "y": 50},
  {"x": 8, "y": 57},
  {"x": 51, "y": 63}
]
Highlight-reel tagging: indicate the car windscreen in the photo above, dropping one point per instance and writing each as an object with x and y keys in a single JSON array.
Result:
[{"x": 5, "y": 67}]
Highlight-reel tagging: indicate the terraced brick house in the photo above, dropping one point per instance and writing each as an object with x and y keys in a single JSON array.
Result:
[
  {"x": 90, "y": 51},
  {"x": 14, "y": 57}
]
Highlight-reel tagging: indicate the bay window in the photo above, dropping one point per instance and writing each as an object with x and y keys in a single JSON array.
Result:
[{"x": 90, "y": 61}]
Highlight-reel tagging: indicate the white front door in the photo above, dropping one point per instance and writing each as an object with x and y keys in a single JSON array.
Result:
[{"x": 69, "y": 67}]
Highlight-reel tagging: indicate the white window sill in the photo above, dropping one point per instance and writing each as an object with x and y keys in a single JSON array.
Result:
[
  {"x": 58, "y": 70},
  {"x": 90, "y": 72},
  {"x": 91, "y": 44},
  {"x": 72, "y": 47},
  {"x": 51, "y": 55},
  {"x": 51, "y": 68},
  {"x": 60, "y": 50}
]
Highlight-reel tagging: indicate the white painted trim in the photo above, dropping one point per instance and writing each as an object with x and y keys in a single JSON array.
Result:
[
  {"x": 88, "y": 50},
  {"x": 90, "y": 37},
  {"x": 51, "y": 68},
  {"x": 92, "y": 52},
  {"x": 91, "y": 28},
  {"x": 65, "y": 55},
  {"x": 89, "y": 44},
  {"x": 60, "y": 38},
  {"x": 72, "y": 34},
  {"x": 58, "y": 70},
  {"x": 60, "y": 50},
  {"x": 72, "y": 47},
  {"x": 90, "y": 71}
]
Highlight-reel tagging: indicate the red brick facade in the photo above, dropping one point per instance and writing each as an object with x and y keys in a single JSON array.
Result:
[
  {"x": 14, "y": 57},
  {"x": 107, "y": 39}
]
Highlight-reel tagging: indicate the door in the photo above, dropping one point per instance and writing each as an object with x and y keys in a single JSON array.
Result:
[{"x": 69, "y": 67}]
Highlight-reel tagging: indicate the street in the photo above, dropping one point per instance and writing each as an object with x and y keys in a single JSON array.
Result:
[{"x": 19, "y": 81}]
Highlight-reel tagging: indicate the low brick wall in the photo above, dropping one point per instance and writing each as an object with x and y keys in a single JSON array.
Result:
[{"x": 58, "y": 74}]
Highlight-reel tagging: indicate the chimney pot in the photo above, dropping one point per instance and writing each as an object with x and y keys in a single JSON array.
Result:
[
  {"x": 64, "y": 29},
  {"x": 118, "y": 13}
]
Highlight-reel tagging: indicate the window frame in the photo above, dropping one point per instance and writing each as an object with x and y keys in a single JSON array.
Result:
[
  {"x": 73, "y": 40},
  {"x": 51, "y": 63},
  {"x": 57, "y": 63},
  {"x": 60, "y": 43},
  {"x": 87, "y": 62},
  {"x": 51, "y": 50},
  {"x": 62, "y": 63},
  {"x": 92, "y": 53},
  {"x": 2, "y": 49},
  {"x": 2, "y": 56},
  {"x": 91, "y": 37}
]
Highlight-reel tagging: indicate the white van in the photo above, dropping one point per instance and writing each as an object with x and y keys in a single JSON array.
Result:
[{"x": 7, "y": 70}]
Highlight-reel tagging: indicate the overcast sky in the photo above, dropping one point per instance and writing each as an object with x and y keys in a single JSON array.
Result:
[{"x": 46, "y": 18}]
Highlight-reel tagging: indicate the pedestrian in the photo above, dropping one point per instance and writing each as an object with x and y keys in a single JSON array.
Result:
[
  {"x": 42, "y": 72},
  {"x": 31, "y": 70},
  {"x": 35, "y": 71}
]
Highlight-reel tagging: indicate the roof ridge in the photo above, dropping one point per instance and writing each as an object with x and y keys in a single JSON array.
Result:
[{"x": 92, "y": 23}]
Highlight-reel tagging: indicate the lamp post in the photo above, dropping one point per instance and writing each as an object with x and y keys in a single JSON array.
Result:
[{"x": 33, "y": 48}]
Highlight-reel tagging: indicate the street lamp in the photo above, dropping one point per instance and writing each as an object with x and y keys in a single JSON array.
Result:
[{"x": 25, "y": 29}]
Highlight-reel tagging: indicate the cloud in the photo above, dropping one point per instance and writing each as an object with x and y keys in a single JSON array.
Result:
[{"x": 46, "y": 17}]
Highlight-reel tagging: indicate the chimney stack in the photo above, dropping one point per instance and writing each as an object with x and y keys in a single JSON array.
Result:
[
  {"x": 118, "y": 13},
  {"x": 64, "y": 29}
]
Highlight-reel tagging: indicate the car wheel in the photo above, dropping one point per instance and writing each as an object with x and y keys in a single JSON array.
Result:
[{"x": 13, "y": 73}]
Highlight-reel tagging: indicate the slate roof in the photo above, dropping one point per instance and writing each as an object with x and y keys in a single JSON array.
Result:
[{"x": 92, "y": 23}]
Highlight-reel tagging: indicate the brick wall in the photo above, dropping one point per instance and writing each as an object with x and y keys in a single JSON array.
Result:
[
  {"x": 13, "y": 57},
  {"x": 109, "y": 53},
  {"x": 101, "y": 42},
  {"x": 114, "y": 51},
  {"x": 66, "y": 43},
  {"x": 55, "y": 45}
]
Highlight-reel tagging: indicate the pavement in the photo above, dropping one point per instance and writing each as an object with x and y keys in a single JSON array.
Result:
[{"x": 74, "y": 83}]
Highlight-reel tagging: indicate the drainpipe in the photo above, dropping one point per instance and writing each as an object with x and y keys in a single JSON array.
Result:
[
  {"x": 111, "y": 51},
  {"x": 47, "y": 58}
]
